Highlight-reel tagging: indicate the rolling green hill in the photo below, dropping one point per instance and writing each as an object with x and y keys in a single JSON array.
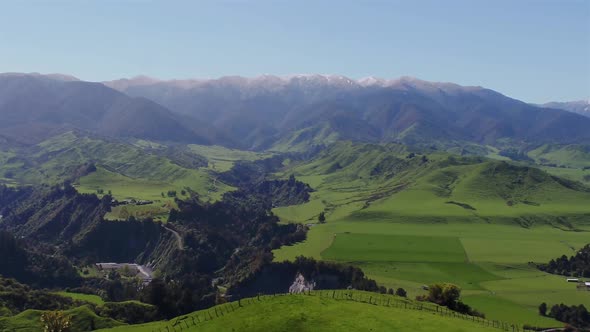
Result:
[
  {"x": 412, "y": 219},
  {"x": 83, "y": 319},
  {"x": 572, "y": 156},
  {"x": 101, "y": 166},
  {"x": 59, "y": 158},
  {"x": 325, "y": 311}
]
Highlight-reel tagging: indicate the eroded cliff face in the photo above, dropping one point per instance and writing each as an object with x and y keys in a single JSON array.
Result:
[{"x": 300, "y": 285}]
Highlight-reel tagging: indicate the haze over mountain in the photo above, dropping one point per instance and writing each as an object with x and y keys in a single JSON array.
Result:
[
  {"x": 263, "y": 110},
  {"x": 580, "y": 106},
  {"x": 34, "y": 107}
]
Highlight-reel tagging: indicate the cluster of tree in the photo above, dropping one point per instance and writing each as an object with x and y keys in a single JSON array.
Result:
[
  {"x": 399, "y": 292},
  {"x": 16, "y": 297},
  {"x": 448, "y": 295},
  {"x": 577, "y": 265},
  {"x": 284, "y": 192},
  {"x": 174, "y": 297},
  {"x": 270, "y": 278},
  {"x": 576, "y": 315},
  {"x": 245, "y": 173},
  {"x": 10, "y": 198},
  {"x": 34, "y": 267},
  {"x": 54, "y": 215}
]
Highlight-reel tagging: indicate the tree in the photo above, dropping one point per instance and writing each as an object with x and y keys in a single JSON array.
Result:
[
  {"x": 322, "y": 218},
  {"x": 543, "y": 309},
  {"x": 56, "y": 321},
  {"x": 401, "y": 292},
  {"x": 444, "y": 294}
]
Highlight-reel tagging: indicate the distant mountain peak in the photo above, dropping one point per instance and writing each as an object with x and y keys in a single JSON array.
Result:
[
  {"x": 578, "y": 106},
  {"x": 53, "y": 76}
]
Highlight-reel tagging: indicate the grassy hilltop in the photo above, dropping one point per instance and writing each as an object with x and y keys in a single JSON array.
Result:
[{"x": 319, "y": 313}]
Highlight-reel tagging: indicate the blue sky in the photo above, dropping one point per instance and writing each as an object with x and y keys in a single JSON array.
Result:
[{"x": 536, "y": 51}]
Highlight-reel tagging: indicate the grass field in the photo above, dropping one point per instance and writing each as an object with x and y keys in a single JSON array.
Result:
[
  {"x": 95, "y": 299},
  {"x": 476, "y": 223},
  {"x": 316, "y": 313},
  {"x": 126, "y": 170},
  {"x": 222, "y": 159},
  {"x": 573, "y": 156},
  {"x": 489, "y": 262},
  {"x": 83, "y": 319}
]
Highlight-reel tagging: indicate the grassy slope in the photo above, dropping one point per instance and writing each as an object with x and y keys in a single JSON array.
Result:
[
  {"x": 222, "y": 159},
  {"x": 53, "y": 159},
  {"x": 574, "y": 156},
  {"x": 314, "y": 313},
  {"x": 408, "y": 235},
  {"x": 95, "y": 299},
  {"x": 83, "y": 319},
  {"x": 125, "y": 170},
  {"x": 572, "y": 160}
]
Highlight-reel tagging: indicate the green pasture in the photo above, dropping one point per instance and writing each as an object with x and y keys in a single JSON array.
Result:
[
  {"x": 395, "y": 248},
  {"x": 572, "y": 156},
  {"x": 222, "y": 159},
  {"x": 95, "y": 299},
  {"x": 488, "y": 261},
  {"x": 315, "y": 313},
  {"x": 83, "y": 319},
  {"x": 474, "y": 223},
  {"x": 575, "y": 174},
  {"x": 124, "y": 187}
]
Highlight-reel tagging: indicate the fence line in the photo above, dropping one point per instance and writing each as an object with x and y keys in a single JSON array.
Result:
[{"x": 187, "y": 321}]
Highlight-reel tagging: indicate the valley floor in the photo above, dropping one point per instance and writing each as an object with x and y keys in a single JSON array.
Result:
[{"x": 490, "y": 262}]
